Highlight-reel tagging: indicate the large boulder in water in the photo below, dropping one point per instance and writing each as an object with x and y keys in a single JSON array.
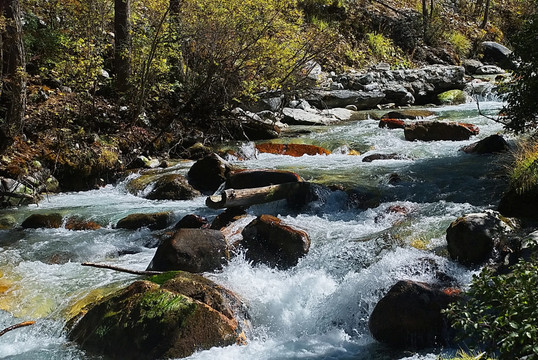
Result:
[
  {"x": 492, "y": 144},
  {"x": 435, "y": 130},
  {"x": 245, "y": 179},
  {"x": 207, "y": 174},
  {"x": 323, "y": 99},
  {"x": 269, "y": 241},
  {"x": 172, "y": 187},
  {"x": 471, "y": 239},
  {"x": 193, "y": 250},
  {"x": 410, "y": 316},
  {"x": 36, "y": 221},
  {"x": 154, "y": 221},
  {"x": 497, "y": 54},
  {"x": 295, "y": 150},
  {"x": 146, "y": 320},
  {"x": 522, "y": 203}
]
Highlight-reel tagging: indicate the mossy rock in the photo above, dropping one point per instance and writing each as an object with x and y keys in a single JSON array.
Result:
[
  {"x": 172, "y": 187},
  {"x": 7, "y": 222},
  {"x": 154, "y": 221},
  {"x": 36, "y": 221},
  {"x": 452, "y": 97},
  {"x": 149, "y": 321}
]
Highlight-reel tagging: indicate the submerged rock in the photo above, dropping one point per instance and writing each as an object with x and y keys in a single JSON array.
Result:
[
  {"x": 472, "y": 238},
  {"x": 373, "y": 157},
  {"x": 172, "y": 187},
  {"x": 193, "y": 250},
  {"x": 492, "y": 144},
  {"x": 147, "y": 320},
  {"x": 244, "y": 179},
  {"x": 153, "y": 221},
  {"x": 391, "y": 123},
  {"x": 269, "y": 241},
  {"x": 435, "y": 130},
  {"x": 296, "y": 150},
  {"x": 76, "y": 223},
  {"x": 410, "y": 114},
  {"x": 409, "y": 316},
  {"x": 35, "y": 221}
]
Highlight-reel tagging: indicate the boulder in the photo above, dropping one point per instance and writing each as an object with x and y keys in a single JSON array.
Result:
[
  {"x": 296, "y": 150},
  {"x": 341, "y": 98},
  {"x": 472, "y": 238},
  {"x": 196, "y": 151},
  {"x": 411, "y": 114},
  {"x": 36, "y": 221},
  {"x": 153, "y": 221},
  {"x": 207, "y": 174},
  {"x": 471, "y": 66},
  {"x": 192, "y": 221},
  {"x": 172, "y": 187},
  {"x": 391, "y": 123},
  {"x": 227, "y": 217},
  {"x": 489, "y": 70},
  {"x": 491, "y": 144},
  {"x": 398, "y": 94},
  {"x": 193, "y": 250},
  {"x": 7, "y": 222},
  {"x": 171, "y": 316},
  {"x": 373, "y": 157},
  {"x": 409, "y": 316},
  {"x": 305, "y": 117},
  {"x": 435, "y": 130},
  {"x": 269, "y": 241},
  {"x": 144, "y": 162},
  {"x": 252, "y": 130},
  {"x": 244, "y": 179},
  {"x": 77, "y": 224},
  {"x": 521, "y": 204},
  {"x": 452, "y": 97},
  {"x": 498, "y": 54}
]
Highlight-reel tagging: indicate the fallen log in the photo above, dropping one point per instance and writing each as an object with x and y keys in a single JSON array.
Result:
[{"x": 252, "y": 196}]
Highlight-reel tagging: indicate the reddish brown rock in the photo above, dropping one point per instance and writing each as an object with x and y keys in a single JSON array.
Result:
[
  {"x": 75, "y": 223},
  {"x": 435, "y": 130},
  {"x": 292, "y": 149},
  {"x": 192, "y": 221},
  {"x": 153, "y": 221},
  {"x": 391, "y": 123},
  {"x": 207, "y": 174}
]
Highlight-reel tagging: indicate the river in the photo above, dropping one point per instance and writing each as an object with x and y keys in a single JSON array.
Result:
[{"x": 319, "y": 309}]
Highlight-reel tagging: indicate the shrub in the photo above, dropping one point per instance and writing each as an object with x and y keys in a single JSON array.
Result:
[
  {"x": 462, "y": 45},
  {"x": 524, "y": 170},
  {"x": 500, "y": 313}
]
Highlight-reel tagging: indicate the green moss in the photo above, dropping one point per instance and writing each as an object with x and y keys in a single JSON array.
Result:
[
  {"x": 161, "y": 305},
  {"x": 162, "y": 278},
  {"x": 452, "y": 97}
]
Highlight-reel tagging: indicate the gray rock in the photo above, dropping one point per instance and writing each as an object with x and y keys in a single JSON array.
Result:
[
  {"x": 498, "y": 54},
  {"x": 303, "y": 117},
  {"x": 471, "y": 65},
  {"x": 342, "y": 98},
  {"x": 489, "y": 70}
]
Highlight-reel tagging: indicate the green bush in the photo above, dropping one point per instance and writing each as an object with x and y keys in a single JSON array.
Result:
[
  {"x": 462, "y": 45},
  {"x": 500, "y": 312}
]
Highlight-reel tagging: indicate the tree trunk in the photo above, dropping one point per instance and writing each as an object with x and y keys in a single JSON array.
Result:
[
  {"x": 425, "y": 18},
  {"x": 486, "y": 15},
  {"x": 175, "y": 6},
  {"x": 13, "y": 91},
  {"x": 122, "y": 48},
  {"x": 252, "y": 196}
]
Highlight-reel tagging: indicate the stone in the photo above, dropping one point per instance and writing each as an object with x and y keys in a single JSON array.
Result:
[
  {"x": 7, "y": 222},
  {"x": 36, "y": 221},
  {"x": 410, "y": 114},
  {"x": 304, "y": 117},
  {"x": 155, "y": 221},
  {"x": 391, "y": 123},
  {"x": 295, "y": 150},
  {"x": 323, "y": 99},
  {"x": 497, "y": 54},
  {"x": 452, "y": 97},
  {"x": 142, "y": 161},
  {"x": 435, "y": 130},
  {"x": 489, "y": 70},
  {"x": 170, "y": 316},
  {"x": 193, "y": 250},
  {"x": 227, "y": 217},
  {"x": 373, "y": 157},
  {"x": 244, "y": 179},
  {"x": 207, "y": 174},
  {"x": 268, "y": 240},
  {"x": 471, "y": 66},
  {"x": 76, "y": 223},
  {"x": 491, "y": 144},
  {"x": 192, "y": 221},
  {"x": 196, "y": 151},
  {"x": 172, "y": 187},
  {"x": 472, "y": 238},
  {"x": 409, "y": 316},
  {"x": 521, "y": 204}
]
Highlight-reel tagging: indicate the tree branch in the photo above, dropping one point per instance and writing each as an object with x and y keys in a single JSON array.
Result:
[
  {"x": 116, "y": 268},
  {"x": 16, "y": 326}
]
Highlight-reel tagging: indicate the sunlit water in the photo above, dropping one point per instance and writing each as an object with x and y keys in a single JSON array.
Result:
[{"x": 316, "y": 310}]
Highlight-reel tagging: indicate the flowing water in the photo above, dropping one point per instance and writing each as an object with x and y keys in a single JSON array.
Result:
[{"x": 316, "y": 310}]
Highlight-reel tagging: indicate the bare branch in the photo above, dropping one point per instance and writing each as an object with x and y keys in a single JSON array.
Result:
[
  {"x": 16, "y": 326},
  {"x": 116, "y": 268}
]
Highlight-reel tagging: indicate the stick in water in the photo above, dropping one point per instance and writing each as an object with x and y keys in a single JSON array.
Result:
[
  {"x": 16, "y": 326},
  {"x": 116, "y": 268}
]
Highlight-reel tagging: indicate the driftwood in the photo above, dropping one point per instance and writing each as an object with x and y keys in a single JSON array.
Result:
[
  {"x": 252, "y": 196},
  {"x": 116, "y": 268},
  {"x": 17, "y": 195},
  {"x": 16, "y": 326}
]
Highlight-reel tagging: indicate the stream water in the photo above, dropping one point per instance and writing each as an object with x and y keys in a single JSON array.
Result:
[{"x": 316, "y": 310}]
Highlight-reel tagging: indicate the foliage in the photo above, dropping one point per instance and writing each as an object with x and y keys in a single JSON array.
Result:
[
  {"x": 462, "y": 355},
  {"x": 524, "y": 170},
  {"x": 500, "y": 313},
  {"x": 237, "y": 48},
  {"x": 522, "y": 102},
  {"x": 462, "y": 45}
]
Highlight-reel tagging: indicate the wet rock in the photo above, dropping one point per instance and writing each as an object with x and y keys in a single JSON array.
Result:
[
  {"x": 304, "y": 117},
  {"x": 244, "y": 179},
  {"x": 193, "y": 250},
  {"x": 452, "y": 97},
  {"x": 409, "y": 316},
  {"x": 472, "y": 238},
  {"x": 362, "y": 198},
  {"x": 7, "y": 222},
  {"x": 36, "y": 221},
  {"x": 207, "y": 174},
  {"x": 253, "y": 130},
  {"x": 323, "y": 99},
  {"x": 497, "y": 54},
  {"x": 408, "y": 114},
  {"x": 435, "y": 130},
  {"x": 269, "y": 241},
  {"x": 172, "y": 187},
  {"x": 471, "y": 66},
  {"x": 76, "y": 223},
  {"x": 227, "y": 217},
  {"x": 153, "y": 221},
  {"x": 489, "y": 70},
  {"x": 296, "y": 150},
  {"x": 187, "y": 313},
  {"x": 196, "y": 151},
  {"x": 492, "y": 144},
  {"x": 142, "y": 161},
  {"x": 521, "y": 203},
  {"x": 192, "y": 221},
  {"x": 391, "y": 123},
  {"x": 373, "y": 157}
]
